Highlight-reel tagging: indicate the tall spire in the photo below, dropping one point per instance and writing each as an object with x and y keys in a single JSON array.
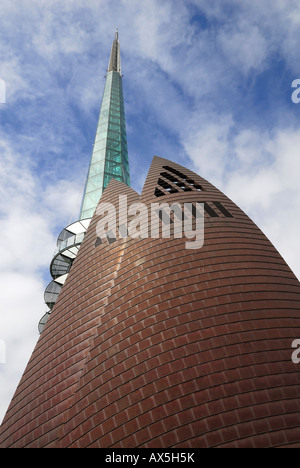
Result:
[
  {"x": 110, "y": 156},
  {"x": 109, "y": 161},
  {"x": 115, "y": 56}
]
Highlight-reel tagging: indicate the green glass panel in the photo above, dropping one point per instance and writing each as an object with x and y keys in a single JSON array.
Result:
[
  {"x": 115, "y": 107},
  {"x": 114, "y": 119},
  {"x": 114, "y": 116},
  {"x": 114, "y": 145},
  {"x": 110, "y": 157},
  {"x": 113, "y": 168},
  {"x": 114, "y": 135},
  {"x": 113, "y": 127},
  {"x": 114, "y": 155}
]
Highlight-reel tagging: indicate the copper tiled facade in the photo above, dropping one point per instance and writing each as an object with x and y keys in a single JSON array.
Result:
[{"x": 154, "y": 345}]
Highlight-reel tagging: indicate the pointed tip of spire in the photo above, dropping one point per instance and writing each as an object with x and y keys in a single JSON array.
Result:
[{"x": 115, "y": 57}]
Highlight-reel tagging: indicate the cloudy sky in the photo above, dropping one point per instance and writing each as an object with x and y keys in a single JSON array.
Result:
[{"x": 207, "y": 84}]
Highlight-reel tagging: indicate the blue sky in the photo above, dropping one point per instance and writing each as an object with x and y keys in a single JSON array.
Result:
[{"x": 207, "y": 83}]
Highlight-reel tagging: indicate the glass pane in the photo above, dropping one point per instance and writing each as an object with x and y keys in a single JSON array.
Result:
[
  {"x": 112, "y": 118},
  {"x": 91, "y": 199},
  {"x": 115, "y": 107},
  {"x": 94, "y": 183},
  {"x": 101, "y": 135},
  {"x": 104, "y": 113},
  {"x": 114, "y": 155},
  {"x": 114, "y": 135},
  {"x": 113, "y": 168},
  {"x": 102, "y": 127},
  {"x": 113, "y": 126},
  {"x": 96, "y": 168},
  {"x": 114, "y": 145},
  {"x": 88, "y": 213},
  {"x": 98, "y": 156},
  {"x": 100, "y": 145},
  {"x": 115, "y": 114}
]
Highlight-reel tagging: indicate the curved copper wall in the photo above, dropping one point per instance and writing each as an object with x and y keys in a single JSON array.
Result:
[{"x": 154, "y": 345}]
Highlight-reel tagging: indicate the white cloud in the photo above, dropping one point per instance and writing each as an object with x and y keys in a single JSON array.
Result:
[
  {"x": 244, "y": 47},
  {"x": 11, "y": 73},
  {"x": 29, "y": 215},
  {"x": 263, "y": 178},
  {"x": 207, "y": 144},
  {"x": 20, "y": 308}
]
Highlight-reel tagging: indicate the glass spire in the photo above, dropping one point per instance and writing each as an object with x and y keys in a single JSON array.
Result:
[
  {"x": 110, "y": 156},
  {"x": 109, "y": 161}
]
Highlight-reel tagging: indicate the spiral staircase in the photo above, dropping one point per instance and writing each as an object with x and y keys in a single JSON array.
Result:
[{"x": 68, "y": 244}]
